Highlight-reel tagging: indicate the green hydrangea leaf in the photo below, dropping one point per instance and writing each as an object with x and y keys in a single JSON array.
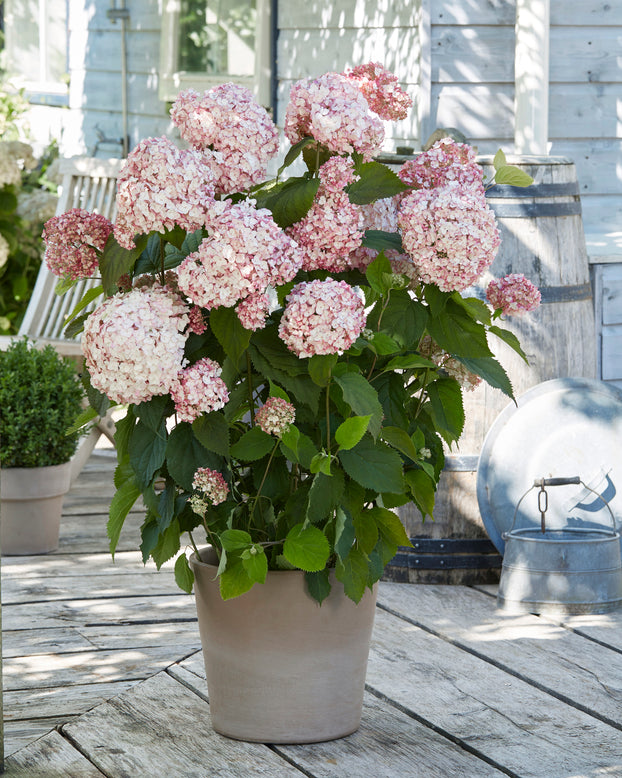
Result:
[{"x": 306, "y": 548}]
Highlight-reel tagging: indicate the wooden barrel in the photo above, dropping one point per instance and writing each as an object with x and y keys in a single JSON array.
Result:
[{"x": 542, "y": 237}]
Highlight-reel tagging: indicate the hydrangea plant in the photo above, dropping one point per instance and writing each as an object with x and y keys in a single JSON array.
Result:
[{"x": 292, "y": 351}]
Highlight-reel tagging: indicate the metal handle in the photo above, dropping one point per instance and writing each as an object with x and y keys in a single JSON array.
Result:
[
  {"x": 540, "y": 483},
  {"x": 557, "y": 481}
]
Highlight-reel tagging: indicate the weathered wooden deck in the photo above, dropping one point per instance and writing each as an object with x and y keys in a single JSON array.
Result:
[{"x": 103, "y": 677}]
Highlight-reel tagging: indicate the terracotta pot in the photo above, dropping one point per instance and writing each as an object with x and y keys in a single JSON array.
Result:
[
  {"x": 281, "y": 668},
  {"x": 31, "y": 504}
]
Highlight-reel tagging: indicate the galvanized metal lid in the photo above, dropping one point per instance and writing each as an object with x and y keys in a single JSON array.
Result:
[{"x": 560, "y": 428}]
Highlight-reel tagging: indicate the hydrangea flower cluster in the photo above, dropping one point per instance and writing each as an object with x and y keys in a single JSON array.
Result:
[
  {"x": 133, "y": 343},
  {"x": 332, "y": 109},
  {"x": 199, "y": 389},
  {"x": 196, "y": 323},
  {"x": 381, "y": 90},
  {"x": 228, "y": 123},
  {"x": 333, "y": 227},
  {"x": 253, "y": 310},
  {"x": 446, "y": 161},
  {"x": 450, "y": 234},
  {"x": 514, "y": 295},
  {"x": 321, "y": 317},
  {"x": 160, "y": 187},
  {"x": 212, "y": 484},
  {"x": 245, "y": 253},
  {"x": 468, "y": 381},
  {"x": 275, "y": 416},
  {"x": 73, "y": 241}
]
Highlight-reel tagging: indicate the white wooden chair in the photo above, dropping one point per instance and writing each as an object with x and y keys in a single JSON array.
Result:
[{"x": 87, "y": 183}]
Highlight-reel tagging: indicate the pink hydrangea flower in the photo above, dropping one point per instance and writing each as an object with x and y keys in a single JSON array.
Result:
[
  {"x": 73, "y": 241},
  {"x": 228, "y": 120},
  {"x": 429, "y": 348},
  {"x": 196, "y": 322},
  {"x": 133, "y": 343},
  {"x": 381, "y": 90},
  {"x": 199, "y": 389},
  {"x": 336, "y": 173},
  {"x": 514, "y": 295},
  {"x": 450, "y": 233},
  {"x": 275, "y": 416},
  {"x": 332, "y": 228},
  {"x": 245, "y": 253},
  {"x": 159, "y": 187},
  {"x": 321, "y": 317},
  {"x": 332, "y": 110},
  {"x": 252, "y": 311},
  {"x": 446, "y": 161},
  {"x": 212, "y": 484}
]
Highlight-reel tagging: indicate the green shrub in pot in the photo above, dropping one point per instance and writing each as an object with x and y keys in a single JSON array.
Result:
[{"x": 40, "y": 397}]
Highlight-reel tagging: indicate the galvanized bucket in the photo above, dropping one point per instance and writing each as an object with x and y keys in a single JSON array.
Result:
[{"x": 560, "y": 571}]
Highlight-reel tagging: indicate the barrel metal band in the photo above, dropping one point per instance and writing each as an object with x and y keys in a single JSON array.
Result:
[
  {"x": 535, "y": 190},
  {"x": 534, "y": 210}
]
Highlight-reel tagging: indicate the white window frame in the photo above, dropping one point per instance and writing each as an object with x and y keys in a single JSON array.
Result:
[
  {"x": 172, "y": 80},
  {"x": 42, "y": 90}
]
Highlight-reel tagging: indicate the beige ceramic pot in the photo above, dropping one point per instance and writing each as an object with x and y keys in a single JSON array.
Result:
[
  {"x": 31, "y": 504},
  {"x": 281, "y": 668}
]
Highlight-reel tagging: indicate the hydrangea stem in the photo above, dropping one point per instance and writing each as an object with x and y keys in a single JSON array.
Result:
[{"x": 249, "y": 379}]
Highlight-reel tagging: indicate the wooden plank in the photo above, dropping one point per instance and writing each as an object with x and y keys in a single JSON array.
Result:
[
  {"x": 473, "y": 54},
  {"x": 570, "y": 12},
  {"x": 415, "y": 750},
  {"x": 160, "y": 726},
  {"x": 337, "y": 15},
  {"x": 48, "y": 589},
  {"x": 184, "y": 636},
  {"x": 123, "y": 610},
  {"x": 60, "y": 703},
  {"x": 19, "y": 734},
  {"x": 59, "y": 565},
  {"x": 584, "y": 673},
  {"x": 612, "y": 294},
  {"x": 500, "y": 717},
  {"x": 50, "y": 756},
  {"x": 42, "y": 671},
  {"x": 612, "y": 353},
  {"x": 317, "y": 51}
]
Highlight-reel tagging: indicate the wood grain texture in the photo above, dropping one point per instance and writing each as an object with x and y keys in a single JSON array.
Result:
[
  {"x": 161, "y": 723},
  {"x": 50, "y": 757},
  {"x": 566, "y": 664},
  {"x": 499, "y": 716}
]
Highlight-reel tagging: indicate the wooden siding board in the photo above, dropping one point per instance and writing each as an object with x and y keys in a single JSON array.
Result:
[
  {"x": 612, "y": 353},
  {"x": 612, "y": 295},
  {"x": 334, "y": 15},
  {"x": 304, "y": 53},
  {"x": 582, "y": 54},
  {"x": 584, "y": 111},
  {"x": 563, "y": 12},
  {"x": 480, "y": 111},
  {"x": 472, "y": 54}
]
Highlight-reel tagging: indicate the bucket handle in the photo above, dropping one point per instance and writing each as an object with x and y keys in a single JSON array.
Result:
[{"x": 543, "y": 499}]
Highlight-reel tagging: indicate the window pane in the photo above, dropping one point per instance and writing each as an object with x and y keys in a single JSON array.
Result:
[
  {"x": 217, "y": 36},
  {"x": 36, "y": 41}
]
